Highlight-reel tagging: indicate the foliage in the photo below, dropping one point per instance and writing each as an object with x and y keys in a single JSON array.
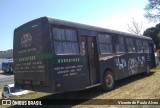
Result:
[
  {"x": 154, "y": 33},
  {"x": 153, "y": 10},
  {"x": 6, "y": 54}
]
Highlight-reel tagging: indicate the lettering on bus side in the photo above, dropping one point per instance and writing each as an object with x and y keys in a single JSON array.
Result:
[
  {"x": 33, "y": 66},
  {"x": 33, "y": 63},
  {"x": 66, "y": 71},
  {"x": 131, "y": 63},
  {"x": 68, "y": 60},
  {"x": 65, "y": 67}
]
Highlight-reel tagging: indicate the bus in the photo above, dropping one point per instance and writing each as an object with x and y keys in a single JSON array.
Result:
[{"x": 55, "y": 56}]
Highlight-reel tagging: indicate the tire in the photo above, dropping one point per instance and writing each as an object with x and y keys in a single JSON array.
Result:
[
  {"x": 108, "y": 81},
  {"x": 148, "y": 72}
]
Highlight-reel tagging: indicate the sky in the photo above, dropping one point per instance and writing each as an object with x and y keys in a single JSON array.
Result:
[{"x": 111, "y": 14}]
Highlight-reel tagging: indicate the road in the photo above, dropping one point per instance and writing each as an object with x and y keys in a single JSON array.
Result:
[{"x": 6, "y": 79}]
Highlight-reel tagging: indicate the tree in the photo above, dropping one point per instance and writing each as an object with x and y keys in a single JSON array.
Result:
[
  {"x": 135, "y": 27},
  {"x": 154, "y": 33},
  {"x": 153, "y": 10},
  {"x": 158, "y": 26},
  {"x": 6, "y": 54}
]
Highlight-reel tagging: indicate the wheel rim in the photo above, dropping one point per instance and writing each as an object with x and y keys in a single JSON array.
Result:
[{"x": 109, "y": 80}]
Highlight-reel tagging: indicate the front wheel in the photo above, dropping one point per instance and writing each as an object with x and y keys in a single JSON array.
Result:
[{"x": 108, "y": 81}]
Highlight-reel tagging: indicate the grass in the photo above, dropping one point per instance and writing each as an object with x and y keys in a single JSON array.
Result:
[
  {"x": 157, "y": 69},
  {"x": 32, "y": 95},
  {"x": 145, "y": 87},
  {"x": 135, "y": 87}
]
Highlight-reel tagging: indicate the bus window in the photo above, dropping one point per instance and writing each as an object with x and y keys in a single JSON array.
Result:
[
  {"x": 145, "y": 46},
  {"x": 105, "y": 43},
  {"x": 139, "y": 45},
  {"x": 120, "y": 46},
  {"x": 130, "y": 45},
  {"x": 65, "y": 41},
  {"x": 71, "y": 35},
  {"x": 58, "y": 34}
]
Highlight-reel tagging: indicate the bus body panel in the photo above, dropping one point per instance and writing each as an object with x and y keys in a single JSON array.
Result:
[
  {"x": 32, "y": 55},
  {"x": 44, "y": 70},
  {"x": 124, "y": 65},
  {"x": 76, "y": 72},
  {"x": 69, "y": 73}
]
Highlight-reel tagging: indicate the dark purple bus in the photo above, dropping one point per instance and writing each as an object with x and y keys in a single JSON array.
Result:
[{"x": 52, "y": 55}]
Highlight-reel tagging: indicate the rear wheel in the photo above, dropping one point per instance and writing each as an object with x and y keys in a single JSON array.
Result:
[{"x": 108, "y": 81}]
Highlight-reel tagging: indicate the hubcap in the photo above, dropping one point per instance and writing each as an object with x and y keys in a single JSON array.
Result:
[{"x": 109, "y": 80}]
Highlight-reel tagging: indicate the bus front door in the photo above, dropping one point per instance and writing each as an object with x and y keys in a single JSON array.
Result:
[{"x": 89, "y": 49}]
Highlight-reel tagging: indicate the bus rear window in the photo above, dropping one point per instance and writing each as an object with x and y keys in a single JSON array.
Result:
[{"x": 65, "y": 41}]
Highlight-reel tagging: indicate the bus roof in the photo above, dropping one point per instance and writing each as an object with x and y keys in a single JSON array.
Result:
[
  {"x": 89, "y": 27},
  {"x": 84, "y": 26}
]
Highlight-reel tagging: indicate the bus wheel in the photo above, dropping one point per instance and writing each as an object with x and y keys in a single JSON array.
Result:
[
  {"x": 148, "y": 70},
  {"x": 108, "y": 81}
]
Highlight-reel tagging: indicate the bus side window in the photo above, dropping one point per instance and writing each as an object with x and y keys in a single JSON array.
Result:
[
  {"x": 120, "y": 45},
  {"x": 145, "y": 47},
  {"x": 130, "y": 45},
  {"x": 139, "y": 46},
  {"x": 65, "y": 41},
  {"x": 105, "y": 43}
]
